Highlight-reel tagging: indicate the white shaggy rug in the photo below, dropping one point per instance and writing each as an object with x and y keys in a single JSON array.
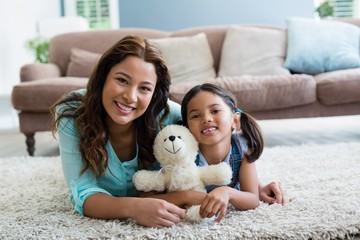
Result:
[{"x": 323, "y": 182}]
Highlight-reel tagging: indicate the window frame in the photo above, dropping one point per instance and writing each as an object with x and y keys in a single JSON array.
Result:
[{"x": 114, "y": 11}]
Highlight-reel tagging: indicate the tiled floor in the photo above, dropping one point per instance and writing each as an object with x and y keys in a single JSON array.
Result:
[
  {"x": 277, "y": 132},
  {"x": 311, "y": 130},
  {"x": 12, "y": 142},
  {"x": 8, "y": 115}
]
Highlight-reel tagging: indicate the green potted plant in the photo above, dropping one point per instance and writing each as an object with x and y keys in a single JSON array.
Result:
[
  {"x": 40, "y": 48},
  {"x": 325, "y": 10}
]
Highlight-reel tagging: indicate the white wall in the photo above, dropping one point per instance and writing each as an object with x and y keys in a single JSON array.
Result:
[{"x": 17, "y": 25}]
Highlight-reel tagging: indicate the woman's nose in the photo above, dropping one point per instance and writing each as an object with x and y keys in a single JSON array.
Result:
[{"x": 130, "y": 95}]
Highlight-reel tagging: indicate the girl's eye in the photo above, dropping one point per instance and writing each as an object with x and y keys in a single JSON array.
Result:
[
  {"x": 194, "y": 116},
  {"x": 216, "y": 111}
]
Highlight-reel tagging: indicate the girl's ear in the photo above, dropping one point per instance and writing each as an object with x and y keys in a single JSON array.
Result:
[{"x": 236, "y": 123}]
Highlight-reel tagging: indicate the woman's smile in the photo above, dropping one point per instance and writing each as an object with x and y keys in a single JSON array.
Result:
[{"x": 125, "y": 109}]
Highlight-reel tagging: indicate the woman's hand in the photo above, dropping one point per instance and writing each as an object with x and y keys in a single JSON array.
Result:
[
  {"x": 215, "y": 202},
  {"x": 157, "y": 213},
  {"x": 272, "y": 192}
]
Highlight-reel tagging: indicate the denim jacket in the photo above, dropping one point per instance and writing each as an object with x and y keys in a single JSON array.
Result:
[{"x": 234, "y": 158}]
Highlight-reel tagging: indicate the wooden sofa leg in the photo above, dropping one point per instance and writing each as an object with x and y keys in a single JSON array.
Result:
[{"x": 30, "y": 143}]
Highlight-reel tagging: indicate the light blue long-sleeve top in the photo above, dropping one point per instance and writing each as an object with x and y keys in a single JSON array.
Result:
[{"x": 117, "y": 179}]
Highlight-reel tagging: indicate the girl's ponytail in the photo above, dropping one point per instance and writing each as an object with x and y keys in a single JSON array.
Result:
[{"x": 253, "y": 134}]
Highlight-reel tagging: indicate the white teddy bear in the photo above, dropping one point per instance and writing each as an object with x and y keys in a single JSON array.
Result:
[{"x": 175, "y": 148}]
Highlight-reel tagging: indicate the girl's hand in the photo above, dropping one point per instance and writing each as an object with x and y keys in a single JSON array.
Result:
[
  {"x": 157, "y": 213},
  {"x": 215, "y": 202},
  {"x": 272, "y": 192}
]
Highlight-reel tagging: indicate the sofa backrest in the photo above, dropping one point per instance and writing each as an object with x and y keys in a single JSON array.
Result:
[
  {"x": 355, "y": 21},
  {"x": 93, "y": 41},
  {"x": 99, "y": 41}
]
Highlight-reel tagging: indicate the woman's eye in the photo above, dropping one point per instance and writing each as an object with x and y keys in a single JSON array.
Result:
[
  {"x": 145, "y": 89},
  {"x": 121, "y": 80}
]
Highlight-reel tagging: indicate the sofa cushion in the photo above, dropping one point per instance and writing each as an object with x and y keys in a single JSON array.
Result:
[
  {"x": 214, "y": 34},
  {"x": 259, "y": 93},
  {"x": 253, "y": 50},
  {"x": 188, "y": 58},
  {"x": 337, "y": 87},
  {"x": 320, "y": 46},
  {"x": 40, "y": 95},
  {"x": 81, "y": 63}
]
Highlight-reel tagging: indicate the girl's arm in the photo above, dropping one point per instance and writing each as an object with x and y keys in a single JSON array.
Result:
[
  {"x": 272, "y": 192},
  {"x": 248, "y": 198}
]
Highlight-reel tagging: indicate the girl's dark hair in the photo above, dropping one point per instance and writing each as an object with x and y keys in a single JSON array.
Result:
[
  {"x": 90, "y": 115},
  {"x": 250, "y": 129}
]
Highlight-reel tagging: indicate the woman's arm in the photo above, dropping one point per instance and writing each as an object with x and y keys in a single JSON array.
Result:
[
  {"x": 146, "y": 211},
  {"x": 179, "y": 198},
  {"x": 91, "y": 200}
]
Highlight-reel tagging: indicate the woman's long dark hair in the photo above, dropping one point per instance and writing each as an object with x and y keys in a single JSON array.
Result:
[
  {"x": 90, "y": 115},
  {"x": 249, "y": 127}
]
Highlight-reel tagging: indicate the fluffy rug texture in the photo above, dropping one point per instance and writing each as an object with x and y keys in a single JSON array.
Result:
[{"x": 322, "y": 181}]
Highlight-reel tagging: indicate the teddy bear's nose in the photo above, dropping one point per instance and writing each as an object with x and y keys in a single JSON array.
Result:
[{"x": 172, "y": 138}]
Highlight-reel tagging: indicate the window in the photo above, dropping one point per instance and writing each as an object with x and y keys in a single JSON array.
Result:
[
  {"x": 100, "y": 14},
  {"x": 343, "y": 8},
  {"x": 95, "y": 11}
]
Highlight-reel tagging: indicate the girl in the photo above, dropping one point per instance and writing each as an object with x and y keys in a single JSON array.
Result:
[{"x": 211, "y": 114}]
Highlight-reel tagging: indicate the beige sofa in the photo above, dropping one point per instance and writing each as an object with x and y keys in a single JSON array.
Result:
[{"x": 266, "y": 96}]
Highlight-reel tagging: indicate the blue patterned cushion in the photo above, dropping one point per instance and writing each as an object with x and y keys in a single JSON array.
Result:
[{"x": 315, "y": 47}]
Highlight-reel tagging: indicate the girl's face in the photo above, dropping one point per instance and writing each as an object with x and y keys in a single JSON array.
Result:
[
  {"x": 128, "y": 90},
  {"x": 209, "y": 119}
]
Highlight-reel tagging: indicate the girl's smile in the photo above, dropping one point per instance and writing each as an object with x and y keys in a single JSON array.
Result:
[{"x": 208, "y": 131}]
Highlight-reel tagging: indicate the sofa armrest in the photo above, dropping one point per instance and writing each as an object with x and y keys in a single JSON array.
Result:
[{"x": 33, "y": 71}]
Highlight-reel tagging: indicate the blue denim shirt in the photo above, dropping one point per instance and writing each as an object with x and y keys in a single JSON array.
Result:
[{"x": 234, "y": 158}]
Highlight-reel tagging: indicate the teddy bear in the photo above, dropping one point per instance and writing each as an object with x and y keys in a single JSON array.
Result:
[{"x": 175, "y": 148}]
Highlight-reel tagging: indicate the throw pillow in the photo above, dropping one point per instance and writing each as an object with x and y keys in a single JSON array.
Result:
[
  {"x": 254, "y": 51},
  {"x": 188, "y": 58},
  {"x": 81, "y": 62},
  {"x": 320, "y": 46}
]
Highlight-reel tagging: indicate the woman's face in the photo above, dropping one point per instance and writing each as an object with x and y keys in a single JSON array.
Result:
[{"x": 128, "y": 90}]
